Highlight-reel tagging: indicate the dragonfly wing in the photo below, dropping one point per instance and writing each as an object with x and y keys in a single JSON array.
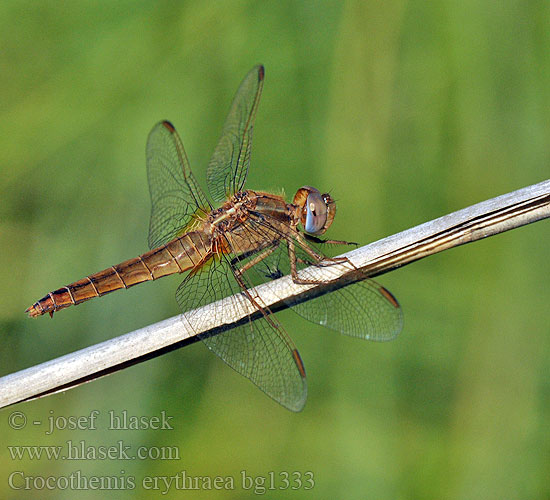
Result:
[
  {"x": 260, "y": 350},
  {"x": 175, "y": 195},
  {"x": 363, "y": 309},
  {"x": 228, "y": 166}
]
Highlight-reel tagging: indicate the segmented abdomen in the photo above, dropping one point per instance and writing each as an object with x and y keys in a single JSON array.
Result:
[{"x": 179, "y": 255}]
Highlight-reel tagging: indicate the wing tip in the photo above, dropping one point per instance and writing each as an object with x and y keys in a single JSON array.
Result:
[
  {"x": 261, "y": 72},
  {"x": 168, "y": 125},
  {"x": 299, "y": 363},
  {"x": 389, "y": 297}
]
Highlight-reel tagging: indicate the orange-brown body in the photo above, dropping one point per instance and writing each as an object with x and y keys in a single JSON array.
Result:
[{"x": 219, "y": 232}]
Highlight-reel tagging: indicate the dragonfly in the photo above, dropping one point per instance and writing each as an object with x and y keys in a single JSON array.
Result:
[{"x": 229, "y": 243}]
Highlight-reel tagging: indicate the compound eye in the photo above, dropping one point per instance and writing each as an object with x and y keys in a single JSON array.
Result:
[{"x": 316, "y": 213}]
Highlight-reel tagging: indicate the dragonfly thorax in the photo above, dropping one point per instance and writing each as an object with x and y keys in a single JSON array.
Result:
[{"x": 232, "y": 212}]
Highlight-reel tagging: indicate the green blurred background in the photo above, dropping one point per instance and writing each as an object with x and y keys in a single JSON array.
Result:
[{"x": 405, "y": 111}]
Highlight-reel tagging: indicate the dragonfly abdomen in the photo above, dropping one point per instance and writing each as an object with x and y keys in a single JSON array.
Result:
[{"x": 179, "y": 255}]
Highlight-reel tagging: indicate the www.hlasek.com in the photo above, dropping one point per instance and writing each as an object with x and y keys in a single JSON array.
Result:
[
  {"x": 81, "y": 450},
  {"x": 76, "y": 480}
]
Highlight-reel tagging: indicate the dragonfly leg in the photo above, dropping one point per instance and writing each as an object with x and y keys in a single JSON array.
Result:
[
  {"x": 264, "y": 252},
  {"x": 314, "y": 239},
  {"x": 293, "y": 260},
  {"x": 250, "y": 253},
  {"x": 255, "y": 299},
  {"x": 330, "y": 261},
  {"x": 318, "y": 260},
  {"x": 322, "y": 260}
]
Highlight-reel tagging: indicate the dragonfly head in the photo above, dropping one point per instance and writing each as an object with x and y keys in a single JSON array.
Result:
[{"x": 316, "y": 210}]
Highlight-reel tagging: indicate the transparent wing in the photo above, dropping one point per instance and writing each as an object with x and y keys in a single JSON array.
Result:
[
  {"x": 260, "y": 350},
  {"x": 176, "y": 198},
  {"x": 228, "y": 166},
  {"x": 363, "y": 309}
]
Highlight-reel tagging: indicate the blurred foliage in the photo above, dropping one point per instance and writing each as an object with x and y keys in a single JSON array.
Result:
[{"x": 405, "y": 111}]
